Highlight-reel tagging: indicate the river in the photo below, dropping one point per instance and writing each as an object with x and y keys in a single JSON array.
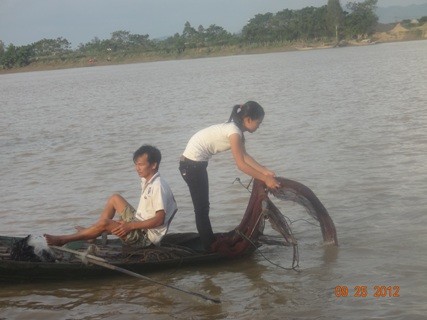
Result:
[{"x": 350, "y": 123}]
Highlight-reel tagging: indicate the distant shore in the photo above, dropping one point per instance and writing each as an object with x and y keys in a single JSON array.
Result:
[
  {"x": 153, "y": 57},
  {"x": 192, "y": 54}
]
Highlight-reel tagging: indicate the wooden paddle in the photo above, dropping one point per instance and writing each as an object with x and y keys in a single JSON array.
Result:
[{"x": 103, "y": 263}]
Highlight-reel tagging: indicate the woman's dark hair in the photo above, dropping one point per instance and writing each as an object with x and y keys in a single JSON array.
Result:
[
  {"x": 250, "y": 109},
  {"x": 153, "y": 154}
]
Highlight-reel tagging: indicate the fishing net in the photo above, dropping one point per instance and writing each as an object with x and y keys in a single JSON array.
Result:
[
  {"x": 244, "y": 238},
  {"x": 26, "y": 249}
]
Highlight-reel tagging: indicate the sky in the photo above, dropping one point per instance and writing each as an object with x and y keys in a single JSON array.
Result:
[{"x": 23, "y": 22}]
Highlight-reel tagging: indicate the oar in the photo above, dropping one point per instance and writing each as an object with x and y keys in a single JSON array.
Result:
[{"x": 103, "y": 263}]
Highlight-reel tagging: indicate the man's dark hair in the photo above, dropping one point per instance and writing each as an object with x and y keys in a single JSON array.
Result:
[{"x": 153, "y": 154}]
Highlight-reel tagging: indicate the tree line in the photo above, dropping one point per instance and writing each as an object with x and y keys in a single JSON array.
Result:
[{"x": 327, "y": 23}]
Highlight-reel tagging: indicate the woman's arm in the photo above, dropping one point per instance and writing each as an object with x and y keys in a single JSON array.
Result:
[
  {"x": 251, "y": 167},
  {"x": 253, "y": 163}
]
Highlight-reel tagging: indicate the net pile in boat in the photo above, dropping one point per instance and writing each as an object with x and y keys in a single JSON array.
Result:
[{"x": 26, "y": 250}]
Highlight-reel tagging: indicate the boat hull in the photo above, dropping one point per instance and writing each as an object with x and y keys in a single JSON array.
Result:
[{"x": 67, "y": 266}]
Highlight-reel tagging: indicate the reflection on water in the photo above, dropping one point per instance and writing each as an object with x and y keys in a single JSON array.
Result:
[{"x": 349, "y": 123}]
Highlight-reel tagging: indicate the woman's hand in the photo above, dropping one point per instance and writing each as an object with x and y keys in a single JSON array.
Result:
[
  {"x": 269, "y": 173},
  {"x": 271, "y": 182}
]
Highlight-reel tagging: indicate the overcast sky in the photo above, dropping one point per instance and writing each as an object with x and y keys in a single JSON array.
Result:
[{"x": 79, "y": 21}]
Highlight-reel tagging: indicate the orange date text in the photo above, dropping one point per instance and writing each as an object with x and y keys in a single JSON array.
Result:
[{"x": 377, "y": 291}]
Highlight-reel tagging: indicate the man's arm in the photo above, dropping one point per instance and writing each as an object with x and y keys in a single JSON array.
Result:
[{"x": 125, "y": 227}]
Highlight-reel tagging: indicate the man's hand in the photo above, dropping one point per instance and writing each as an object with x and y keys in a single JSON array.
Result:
[{"x": 122, "y": 229}]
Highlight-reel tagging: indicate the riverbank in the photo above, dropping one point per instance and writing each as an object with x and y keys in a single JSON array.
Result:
[
  {"x": 129, "y": 58},
  {"x": 398, "y": 34}
]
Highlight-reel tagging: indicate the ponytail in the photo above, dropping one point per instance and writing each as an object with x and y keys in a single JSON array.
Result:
[
  {"x": 235, "y": 115},
  {"x": 250, "y": 109}
]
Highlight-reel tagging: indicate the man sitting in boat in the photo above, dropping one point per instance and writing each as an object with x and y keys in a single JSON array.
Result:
[{"x": 142, "y": 227}]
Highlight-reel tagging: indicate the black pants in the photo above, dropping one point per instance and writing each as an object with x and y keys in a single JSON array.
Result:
[{"x": 195, "y": 175}]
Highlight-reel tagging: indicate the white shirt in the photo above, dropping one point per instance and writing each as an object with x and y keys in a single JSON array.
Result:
[
  {"x": 156, "y": 195},
  {"x": 210, "y": 141}
]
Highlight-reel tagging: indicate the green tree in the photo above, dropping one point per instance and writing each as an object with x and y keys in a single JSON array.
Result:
[
  {"x": 335, "y": 17},
  {"x": 24, "y": 55},
  {"x": 311, "y": 23},
  {"x": 49, "y": 47},
  {"x": 320, "y": 25},
  {"x": 362, "y": 20},
  {"x": 17, "y": 56},
  {"x": 258, "y": 29},
  {"x": 120, "y": 37},
  {"x": 124, "y": 40},
  {"x": 174, "y": 44},
  {"x": 139, "y": 40},
  {"x": 284, "y": 25},
  {"x": 190, "y": 36},
  {"x": 1, "y": 48},
  {"x": 287, "y": 25},
  {"x": 93, "y": 46},
  {"x": 216, "y": 35},
  {"x": 9, "y": 57}
]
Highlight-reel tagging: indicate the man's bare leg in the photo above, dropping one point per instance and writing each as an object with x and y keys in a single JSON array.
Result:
[
  {"x": 115, "y": 203},
  {"x": 86, "y": 234}
]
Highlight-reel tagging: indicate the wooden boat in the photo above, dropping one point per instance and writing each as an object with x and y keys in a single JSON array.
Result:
[
  {"x": 81, "y": 259},
  {"x": 180, "y": 249}
]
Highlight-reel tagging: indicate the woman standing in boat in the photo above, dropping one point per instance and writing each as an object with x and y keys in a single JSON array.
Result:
[{"x": 214, "y": 139}]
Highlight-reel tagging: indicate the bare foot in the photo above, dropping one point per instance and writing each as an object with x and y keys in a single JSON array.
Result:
[{"x": 54, "y": 240}]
